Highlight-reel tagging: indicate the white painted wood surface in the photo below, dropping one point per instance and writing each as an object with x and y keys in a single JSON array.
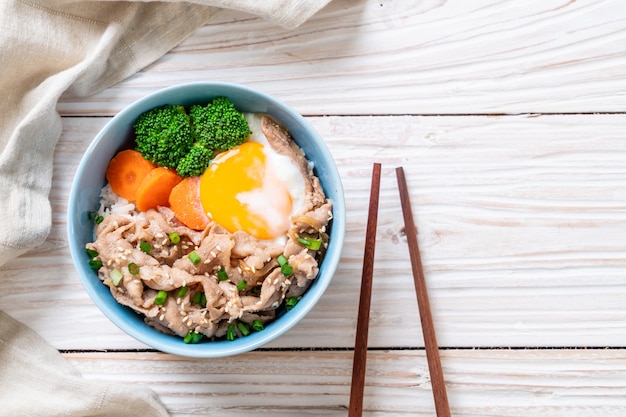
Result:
[{"x": 509, "y": 119}]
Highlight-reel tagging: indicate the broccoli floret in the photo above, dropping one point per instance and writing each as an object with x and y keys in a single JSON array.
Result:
[
  {"x": 219, "y": 125},
  {"x": 164, "y": 135},
  {"x": 195, "y": 162}
]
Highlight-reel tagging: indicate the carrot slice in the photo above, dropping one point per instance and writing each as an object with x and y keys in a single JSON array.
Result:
[
  {"x": 185, "y": 203},
  {"x": 155, "y": 188},
  {"x": 126, "y": 171}
]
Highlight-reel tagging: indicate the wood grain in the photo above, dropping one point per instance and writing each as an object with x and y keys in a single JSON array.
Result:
[
  {"x": 482, "y": 383},
  {"x": 407, "y": 57},
  {"x": 520, "y": 215}
]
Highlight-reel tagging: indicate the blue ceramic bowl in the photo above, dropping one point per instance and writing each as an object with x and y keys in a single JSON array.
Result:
[{"x": 89, "y": 180}]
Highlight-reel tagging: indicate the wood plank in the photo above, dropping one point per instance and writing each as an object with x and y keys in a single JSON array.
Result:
[
  {"x": 406, "y": 57},
  {"x": 483, "y": 383},
  {"x": 521, "y": 224}
]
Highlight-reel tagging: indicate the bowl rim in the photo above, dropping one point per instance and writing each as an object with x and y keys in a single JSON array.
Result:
[{"x": 212, "y": 349}]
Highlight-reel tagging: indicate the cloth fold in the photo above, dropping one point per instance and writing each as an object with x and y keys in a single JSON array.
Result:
[
  {"x": 47, "y": 48},
  {"x": 37, "y": 381}
]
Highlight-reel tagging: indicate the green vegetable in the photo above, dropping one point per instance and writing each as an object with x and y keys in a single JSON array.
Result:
[
  {"x": 242, "y": 284},
  {"x": 95, "y": 264},
  {"x": 258, "y": 325},
  {"x": 282, "y": 260},
  {"x": 291, "y": 302},
  {"x": 243, "y": 328},
  {"x": 313, "y": 244},
  {"x": 230, "y": 332},
  {"x": 222, "y": 275},
  {"x": 95, "y": 217},
  {"x": 195, "y": 162},
  {"x": 145, "y": 246},
  {"x": 200, "y": 298},
  {"x": 183, "y": 291},
  {"x": 133, "y": 268},
  {"x": 170, "y": 137},
  {"x": 174, "y": 237},
  {"x": 163, "y": 135},
  {"x": 219, "y": 125},
  {"x": 160, "y": 298},
  {"x": 286, "y": 270},
  {"x": 194, "y": 258},
  {"x": 116, "y": 277},
  {"x": 193, "y": 337}
]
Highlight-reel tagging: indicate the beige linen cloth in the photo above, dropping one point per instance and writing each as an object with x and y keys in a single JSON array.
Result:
[{"x": 78, "y": 46}]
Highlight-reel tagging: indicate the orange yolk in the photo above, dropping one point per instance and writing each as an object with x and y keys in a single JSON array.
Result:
[{"x": 241, "y": 191}]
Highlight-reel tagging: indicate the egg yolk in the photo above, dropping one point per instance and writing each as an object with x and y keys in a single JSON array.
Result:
[{"x": 241, "y": 191}]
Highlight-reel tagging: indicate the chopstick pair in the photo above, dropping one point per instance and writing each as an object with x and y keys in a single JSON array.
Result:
[{"x": 430, "y": 341}]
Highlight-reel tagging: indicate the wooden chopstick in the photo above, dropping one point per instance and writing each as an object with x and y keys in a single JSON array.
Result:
[
  {"x": 363, "y": 318},
  {"x": 428, "y": 329}
]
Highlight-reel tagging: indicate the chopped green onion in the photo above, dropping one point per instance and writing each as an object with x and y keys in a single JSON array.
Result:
[
  {"x": 116, "y": 277},
  {"x": 222, "y": 275},
  {"x": 183, "y": 291},
  {"x": 145, "y": 246},
  {"x": 194, "y": 258},
  {"x": 95, "y": 264},
  {"x": 230, "y": 332},
  {"x": 243, "y": 328},
  {"x": 258, "y": 325},
  {"x": 203, "y": 300},
  {"x": 91, "y": 253},
  {"x": 313, "y": 244},
  {"x": 95, "y": 217},
  {"x": 282, "y": 260},
  {"x": 197, "y": 297},
  {"x": 160, "y": 298},
  {"x": 286, "y": 270},
  {"x": 133, "y": 268},
  {"x": 174, "y": 237},
  {"x": 193, "y": 337},
  {"x": 242, "y": 284},
  {"x": 256, "y": 290},
  {"x": 291, "y": 302}
]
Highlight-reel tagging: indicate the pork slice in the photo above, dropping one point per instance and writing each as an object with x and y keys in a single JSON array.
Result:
[
  {"x": 273, "y": 292},
  {"x": 214, "y": 252}
]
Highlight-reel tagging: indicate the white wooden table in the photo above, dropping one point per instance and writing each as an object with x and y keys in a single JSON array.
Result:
[{"x": 509, "y": 119}]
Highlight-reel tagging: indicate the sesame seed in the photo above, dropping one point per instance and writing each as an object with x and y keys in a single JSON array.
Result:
[
  {"x": 121, "y": 249},
  {"x": 189, "y": 322},
  {"x": 275, "y": 304},
  {"x": 184, "y": 246},
  {"x": 162, "y": 317},
  {"x": 218, "y": 247},
  {"x": 276, "y": 281},
  {"x": 213, "y": 254},
  {"x": 164, "y": 242}
]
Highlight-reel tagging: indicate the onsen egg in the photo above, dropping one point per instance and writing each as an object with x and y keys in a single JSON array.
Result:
[{"x": 253, "y": 188}]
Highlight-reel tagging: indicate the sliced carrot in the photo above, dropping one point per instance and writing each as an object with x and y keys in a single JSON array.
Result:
[
  {"x": 126, "y": 171},
  {"x": 185, "y": 203},
  {"x": 155, "y": 188}
]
